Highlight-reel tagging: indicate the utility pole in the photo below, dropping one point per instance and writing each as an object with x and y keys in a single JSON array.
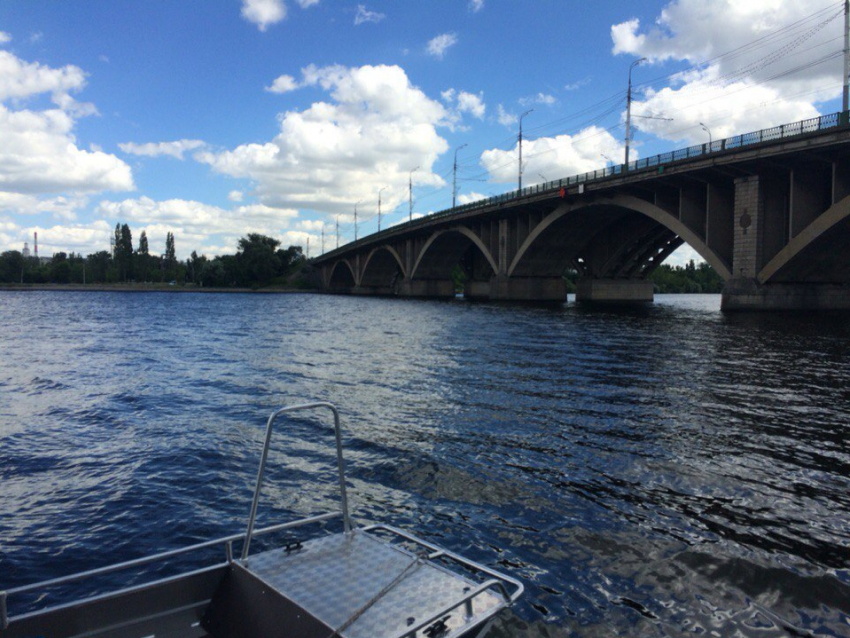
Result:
[
  {"x": 845, "y": 104},
  {"x": 410, "y": 187},
  {"x": 520, "y": 147},
  {"x": 379, "y": 207},
  {"x": 629, "y": 111},
  {"x": 308, "y": 246},
  {"x": 323, "y": 239},
  {"x": 454, "y": 178},
  {"x": 337, "y": 231},
  {"x": 355, "y": 220}
]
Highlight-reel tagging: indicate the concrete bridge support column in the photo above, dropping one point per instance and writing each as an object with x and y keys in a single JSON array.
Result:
[
  {"x": 615, "y": 291},
  {"x": 541, "y": 289},
  {"x": 432, "y": 288}
]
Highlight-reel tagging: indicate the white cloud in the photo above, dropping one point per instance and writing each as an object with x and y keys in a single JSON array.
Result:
[
  {"x": 82, "y": 238},
  {"x": 540, "y": 98},
  {"x": 306, "y": 4},
  {"x": 465, "y": 102},
  {"x": 174, "y": 149},
  {"x": 471, "y": 103},
  {"x": 60, "y": 207},
  {"x": 195, "y": 223},
  {"x": 283, "y": 84},
  {"x": 263, "y": 12},
  {"x": 504, "y": 118},
  {"x": 554, "y": 157},
  {"x": 373, "y": 130},
  {"x": 577, "y": 85},
  {"x": 5, "y": 37},
  {"x": 476, "y": 5},
  {"x": 438, "y": 46},
  {"x": 779, "y": 79},
  {"x": 363, "y": 15},
  {"x": 36, "y": 36},
  {"x": 39, "y": 155},
  {"x": 310, "y": 224},
  {"x": 235, "y": 196},
  {"x": 20, "y": 79},
  {"x": 468, "y": 198}
]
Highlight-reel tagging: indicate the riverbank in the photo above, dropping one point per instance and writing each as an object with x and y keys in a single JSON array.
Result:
[{"x": 144, "y": 288}]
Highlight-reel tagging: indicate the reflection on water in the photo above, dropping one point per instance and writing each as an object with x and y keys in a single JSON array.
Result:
[{"x": 655, "y": 471}]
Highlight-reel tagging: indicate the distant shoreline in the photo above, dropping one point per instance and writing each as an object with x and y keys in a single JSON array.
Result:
[{"x": 144, "y": 288}]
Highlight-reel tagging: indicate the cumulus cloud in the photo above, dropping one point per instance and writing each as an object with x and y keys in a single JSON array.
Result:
[
  {"x": 438, "y": 46},
  {"x": 781, "y": 77},
  {"x": 554, "y": 157},
  {"x": 476, "y": 5},
  {"x": 375, "y": 127},
  {"x": 194, "y": 223},
  {"x": 5, "y": 37},
  {"x": 263, "y": 13},
  {"x": 283, "y": 84},
  {"x": 468, "y": 198},
  {"x": 78, "y": 238},
  {"x": 39, "y": 155},
  {"x": 306, "y": 4},
  {"x": 175, "y": 149},
  {"x": 466, "y": 102},
  {"x": 504, "y": 118},
  {"x": 235, "y": 196},
  {"x": 540, "y": 98},
  {"x": 363, "y": 16},
  {"x": 576, "y": 85},
  {"x": 42, "y": 169}
]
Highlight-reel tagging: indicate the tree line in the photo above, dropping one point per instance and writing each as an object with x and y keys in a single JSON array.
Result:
[{"x": 259, "y": 261}]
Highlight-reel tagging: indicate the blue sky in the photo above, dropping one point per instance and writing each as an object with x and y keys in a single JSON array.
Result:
[{"x": 216, "y": 118}]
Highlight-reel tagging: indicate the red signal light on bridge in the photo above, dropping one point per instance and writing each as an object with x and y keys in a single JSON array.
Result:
[{"x": 563, "y": 192}]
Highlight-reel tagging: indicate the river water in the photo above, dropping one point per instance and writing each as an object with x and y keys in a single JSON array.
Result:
[{"x": 658, "y": 471}]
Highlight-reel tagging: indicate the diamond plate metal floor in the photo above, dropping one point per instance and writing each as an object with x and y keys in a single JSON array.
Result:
[{"x": 335, "y": 577}]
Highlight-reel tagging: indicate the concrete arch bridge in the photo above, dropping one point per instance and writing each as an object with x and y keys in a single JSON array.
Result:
[{"x": 769, "y": 210}]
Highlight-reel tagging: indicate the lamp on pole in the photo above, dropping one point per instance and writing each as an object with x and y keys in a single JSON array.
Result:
[
  {"x": 707, "y": 130},
  {"x": 337, "y": 231},
  {"x": 323, "y": 239},
  {"x": 454, "y": 178},
  {"x": 379, "y": 207},
  {"x": 520, "y": 146},
  {"x": 355, "y": 220},
  {"x": 629, "y": 110},
  {"x": 410, "y": 188}
]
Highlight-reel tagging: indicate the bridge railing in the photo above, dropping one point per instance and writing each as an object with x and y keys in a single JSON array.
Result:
[{"x": 734, "y": 143}]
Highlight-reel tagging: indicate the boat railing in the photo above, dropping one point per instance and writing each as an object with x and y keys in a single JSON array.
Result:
[
  {"x": 340, "y": 467},
  {"x": 226, "y": 541}
]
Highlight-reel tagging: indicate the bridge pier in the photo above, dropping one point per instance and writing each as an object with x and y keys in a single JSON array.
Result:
[
  {"x": 432, "y": 288},
  {"x": 504, "y": 288},
  {"x": 748, "y": 294},
  {"x": 616, "y": 291}
]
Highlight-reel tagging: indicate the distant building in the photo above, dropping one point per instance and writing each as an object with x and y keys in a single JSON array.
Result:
[{"x": 26, "y": 251}]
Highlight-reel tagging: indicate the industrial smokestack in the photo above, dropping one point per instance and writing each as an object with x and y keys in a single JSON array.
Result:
[{"x": 35, "y": 245}]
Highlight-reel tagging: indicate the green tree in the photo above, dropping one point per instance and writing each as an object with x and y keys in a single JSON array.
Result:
[
  {"x": 98, "y": 266},
  {"x": 11, "y": 266},
  {"x": 257, "y": 259},
  {"x": 143, "y": 258},
  {"x": 170, "y": 258}
]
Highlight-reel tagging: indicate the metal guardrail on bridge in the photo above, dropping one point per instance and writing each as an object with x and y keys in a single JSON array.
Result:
[{"x": 734, "y": 143}]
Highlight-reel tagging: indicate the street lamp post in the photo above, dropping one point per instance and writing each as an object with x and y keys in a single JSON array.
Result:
[
  {"x": 520, "y": 146},
  {"x": 337, "y": 231},
  {"x": 355, "y": 220},
  {"x": 629, "y": 111},
  {"x": 410, "y": 189},
  {"x": 454, "y": 178},
  {"x": 707, "y": 130},
  {"x": 379, "y": 207}
]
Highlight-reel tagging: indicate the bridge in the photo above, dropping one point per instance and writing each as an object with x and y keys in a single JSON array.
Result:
[{"x": 768, "y": 210}]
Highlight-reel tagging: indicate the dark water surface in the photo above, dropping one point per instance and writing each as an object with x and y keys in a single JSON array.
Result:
[{"x": 663, "y": 471}]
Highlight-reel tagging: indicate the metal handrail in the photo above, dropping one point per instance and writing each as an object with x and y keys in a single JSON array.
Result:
[
  {"x": 137, "y": 562},
  {"x": 343, "y": 496},
  {"x": 839, "y": 119}
]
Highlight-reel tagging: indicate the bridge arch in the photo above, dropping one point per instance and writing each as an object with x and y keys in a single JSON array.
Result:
[
  {"x": 341, "y": 276},
  {"x": 381, "y": 267},
  {"x": 662, "y": 239},
  {"x": 833, "y": 263},
  {"x": 453, "y": 253}
]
